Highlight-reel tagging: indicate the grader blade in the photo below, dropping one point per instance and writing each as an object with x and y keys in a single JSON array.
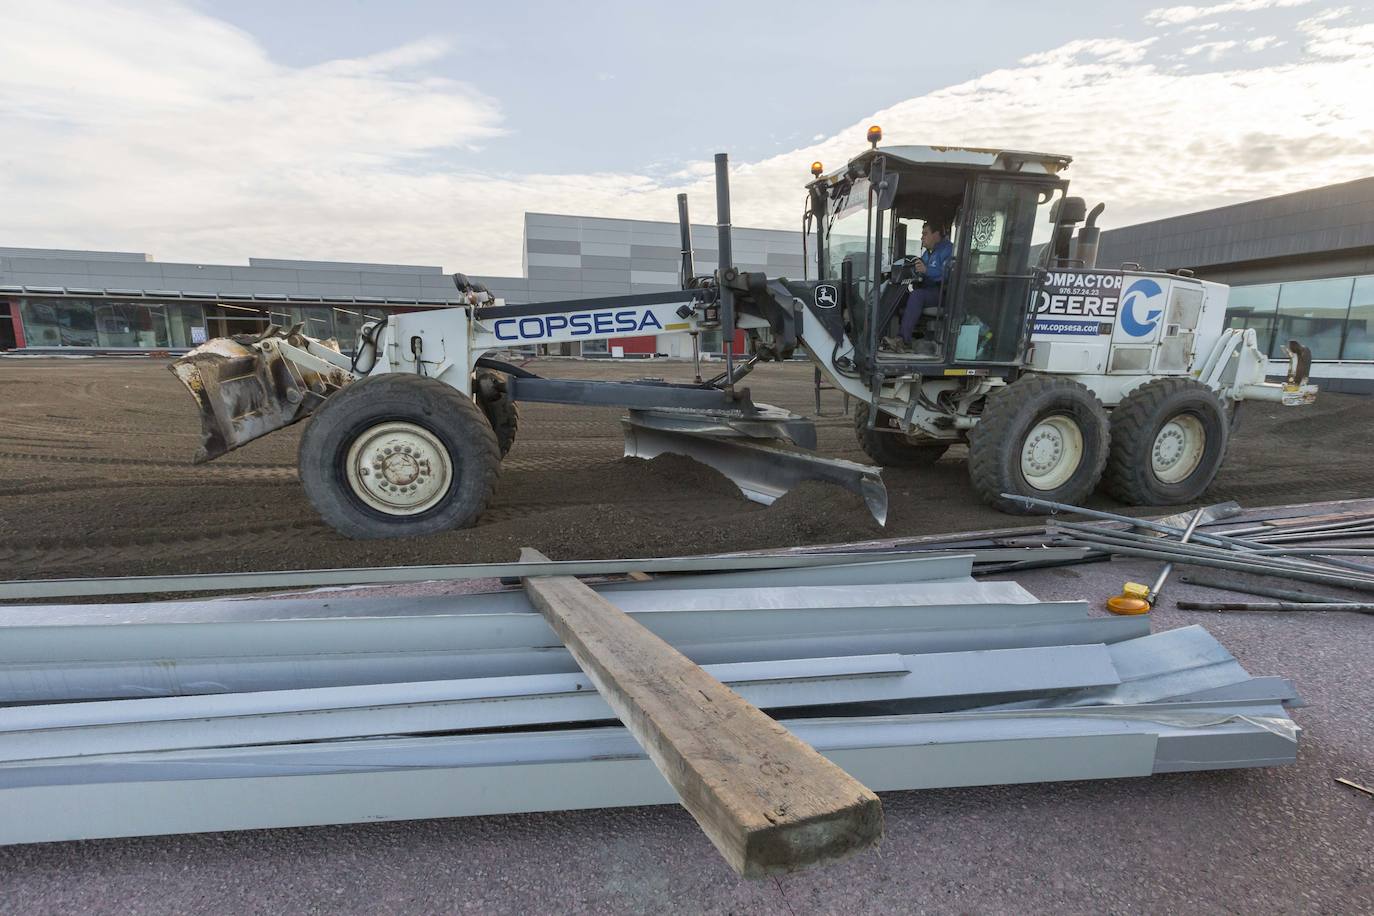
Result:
[
  {"x": 763, "y": 469},
  {"x": 247, "y": 387}
]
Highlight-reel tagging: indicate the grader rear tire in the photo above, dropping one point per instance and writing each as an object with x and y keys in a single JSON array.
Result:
[
  {"x": 1169, "y": 438},
  {"x": 1041, "y": 436},
  {"x": 894, "y": 450},
  {"x": 398, "y": 456}
]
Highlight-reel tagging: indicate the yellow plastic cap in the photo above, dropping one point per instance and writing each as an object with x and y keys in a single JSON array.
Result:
[
  {"x": 1121, "y": 604},
  {"x": 1136, "y": 590}
]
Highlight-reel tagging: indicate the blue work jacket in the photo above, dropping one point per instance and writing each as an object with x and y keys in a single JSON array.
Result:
[{"x": 936, "y": 259}]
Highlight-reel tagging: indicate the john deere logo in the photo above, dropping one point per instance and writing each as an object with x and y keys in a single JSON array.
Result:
[{"x": 827, "y": 296}]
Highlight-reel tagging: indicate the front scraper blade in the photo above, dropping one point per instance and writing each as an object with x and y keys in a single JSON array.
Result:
[
  {"x": 763, "y": 470},
  {"x": 245, "y": 389}
]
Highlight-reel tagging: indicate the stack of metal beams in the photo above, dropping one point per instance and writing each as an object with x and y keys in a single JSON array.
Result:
[{"x": 176, "y": 717}]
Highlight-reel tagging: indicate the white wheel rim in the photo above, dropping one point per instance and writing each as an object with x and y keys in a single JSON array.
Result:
[
  {"x": 1178, "y": 448},
  {"x": 1052, "y": 451},
  {"x": 399, "y": 468}
]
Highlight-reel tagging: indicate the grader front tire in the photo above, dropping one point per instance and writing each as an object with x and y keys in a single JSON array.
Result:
[
  {"x": 398, "y": 456},
  {"x": 1041, "y": 436}
]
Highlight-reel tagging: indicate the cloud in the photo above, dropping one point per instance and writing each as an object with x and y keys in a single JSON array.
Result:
[
  {"x": 1177, "y": 15},
  {"x": 1324, "y": 39},
  {"x": 1213, "y": 49},
  {"x": 160, "y": 128}
]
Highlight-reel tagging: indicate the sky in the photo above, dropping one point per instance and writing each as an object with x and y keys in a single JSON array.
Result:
[{"x": 421, "y": 132}]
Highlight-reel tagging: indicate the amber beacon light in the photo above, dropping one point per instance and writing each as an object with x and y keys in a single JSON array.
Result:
[{"x": 875, "y": 133}]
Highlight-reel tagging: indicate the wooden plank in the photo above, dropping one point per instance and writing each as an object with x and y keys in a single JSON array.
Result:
[{"x": 768, "y": 801}]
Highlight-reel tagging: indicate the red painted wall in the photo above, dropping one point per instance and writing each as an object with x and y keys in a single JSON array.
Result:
[
  {"x": 18, "y": 325},
  {"x": 635, "y": 344}
]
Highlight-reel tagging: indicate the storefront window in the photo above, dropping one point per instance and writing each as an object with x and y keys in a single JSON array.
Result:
[
  {"x": 317, "y": 321},
  {"x": 109, "y": 323},
  {"x": 1359, "y": 333},
  {"x": 1313, "y": 313},
  {"x": 59, "y": 323}
]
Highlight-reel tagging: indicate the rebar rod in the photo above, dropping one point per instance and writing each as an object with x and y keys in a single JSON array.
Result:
[
  {"x": 1169, "y": 567},
  {"x": 1086, "y": 532},
  {"x": 1251, "y": 549},
  {"x": 1262, "y": 591},
  {"x": 1365, "y": 608},
  {"x": 1303, "y": 575}
]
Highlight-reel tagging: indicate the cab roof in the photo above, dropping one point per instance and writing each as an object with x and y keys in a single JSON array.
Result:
[{"x": 965, "y": 158}]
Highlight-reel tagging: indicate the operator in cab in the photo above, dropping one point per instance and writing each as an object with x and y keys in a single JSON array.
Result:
[{"x": 930, "y": 273}]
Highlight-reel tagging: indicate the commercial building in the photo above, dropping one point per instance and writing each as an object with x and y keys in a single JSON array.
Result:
[
  {"x": 125, "y": 301},
  {"x": 1301, "y": 267}
]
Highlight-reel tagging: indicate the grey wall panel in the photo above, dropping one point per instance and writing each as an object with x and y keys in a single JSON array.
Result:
[
  {"x": 598, "y": 235},
  {"x": 553, "y": 286},
  {"x": 668, "y": 278},
  {"x": 49, "y": 266},
  {"x": 606, "y": 289},
  {"x": 263, "y": 274},
  {"x": 126, "y": 269},
  {"x": 659, "y": 252},
  {"x": 607, "y": 249},
  {"x": 562, "y": 274},
  {"x": 606, "y": 276},
  {"x": 663, "y": 264},
  {"x": 552, "y": 219},
  {"x": 376, "y": 278},
  {"x": 1303, "y": 223},
  {"x": 29, "y": 278},
  {"x": 598, "y": 262},
  {"x": 294, "y": 264},
  {"x": 542, "y": 259},
  {"x": 196, "y": 272},
  {"x": 559, "y": 233},
  {"x": 325, "y": 289},
  {"x": 551, "y": 246},
  {"x": 257, "y": 286}
]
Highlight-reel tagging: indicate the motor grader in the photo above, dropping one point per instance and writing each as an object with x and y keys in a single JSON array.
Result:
[{"x": 1058, "y": 374}]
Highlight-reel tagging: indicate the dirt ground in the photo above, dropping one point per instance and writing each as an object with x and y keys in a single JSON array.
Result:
[{"x": 96, "y": 479}]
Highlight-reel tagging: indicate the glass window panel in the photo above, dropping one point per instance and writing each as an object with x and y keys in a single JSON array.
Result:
[
  {"x": 58, "y": 322},
  {"x": 1359, "y": 333},
  {"x": 1254, "y": 307},
  {"x": 181, "y": 319},
  {"x": 1002, "y": 234},
  {"x": 1313, "y": 313}
]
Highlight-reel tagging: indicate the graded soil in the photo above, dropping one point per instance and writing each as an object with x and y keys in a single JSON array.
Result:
[{"x": 96, "y": 479}]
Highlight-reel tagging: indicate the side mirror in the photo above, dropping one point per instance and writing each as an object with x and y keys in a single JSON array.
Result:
[{"x": 884, "y": 184}]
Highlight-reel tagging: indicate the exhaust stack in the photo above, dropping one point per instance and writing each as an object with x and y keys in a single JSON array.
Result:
[{"x": 1085, "y": 248}]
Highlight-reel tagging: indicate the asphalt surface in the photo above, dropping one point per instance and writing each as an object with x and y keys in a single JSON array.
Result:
[{"x": 1281, "y": 840}]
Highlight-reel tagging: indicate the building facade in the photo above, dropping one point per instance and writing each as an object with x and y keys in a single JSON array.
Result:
[
  {"x": 126, "y": 302},
  {"x": 1300, "y": 267}
]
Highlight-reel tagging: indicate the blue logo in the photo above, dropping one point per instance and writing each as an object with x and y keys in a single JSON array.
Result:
[{"x": 1140, "y": 289}]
